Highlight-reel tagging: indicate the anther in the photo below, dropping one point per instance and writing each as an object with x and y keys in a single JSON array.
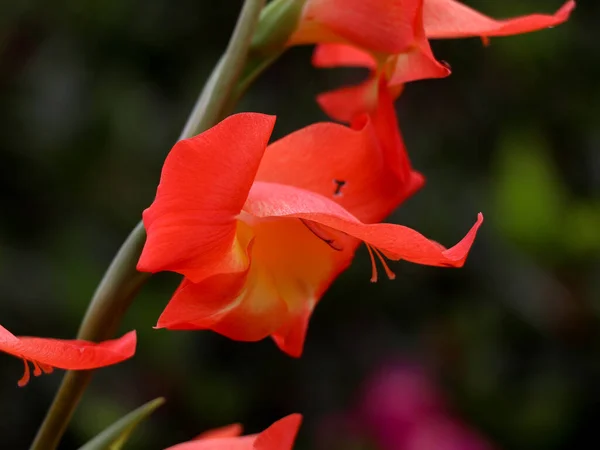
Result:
[
  {"x": 373, "y": 265},
  {"x": 25, "y": 379},
  {"x": 391, "y": 275},
  {"x": 372, "y": 250},
  {"x": 36, "y": 369}
]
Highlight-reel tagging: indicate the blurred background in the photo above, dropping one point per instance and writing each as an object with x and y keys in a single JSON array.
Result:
[{"x": 502, "y": 354}]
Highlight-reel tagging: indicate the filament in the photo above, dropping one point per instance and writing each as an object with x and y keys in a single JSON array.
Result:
[{"x": 372, "y": 250}]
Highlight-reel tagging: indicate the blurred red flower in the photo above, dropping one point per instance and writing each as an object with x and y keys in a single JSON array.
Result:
[{"x": 279, "y": 436}]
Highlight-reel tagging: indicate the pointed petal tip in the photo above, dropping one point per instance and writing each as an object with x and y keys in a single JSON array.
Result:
[
  {"x": 566, "y": 10},
  {"x": 280, "y": 435},
  {"x": 457, "y": 255},
  {"x": 291, "y": 347}
]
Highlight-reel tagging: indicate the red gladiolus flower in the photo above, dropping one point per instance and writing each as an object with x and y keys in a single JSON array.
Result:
[
  {"x": 260, "y": 233},
  {"x": 46, "y": 354},
  {"x": 385, "y": 36},
  {"x": 435, "y": 19},
  {"x": 279, "y": 436}
]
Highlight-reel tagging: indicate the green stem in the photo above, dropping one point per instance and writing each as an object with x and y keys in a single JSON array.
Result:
[{"x": 122, "y": 281}]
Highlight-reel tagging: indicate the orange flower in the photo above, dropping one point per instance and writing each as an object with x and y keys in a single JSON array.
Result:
[
  {"x": 260, "y": 232},
  {"x": 47, "y": 354},
  {"x": 279, "y": 436},
  {"x": 389, "y": 37}
]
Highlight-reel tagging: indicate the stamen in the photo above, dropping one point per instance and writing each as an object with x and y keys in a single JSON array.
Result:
[
  {"x": 36, "y": 369},
  {"x": 373, "y": 265},
  {"x": 391, "y": 275},
  {"x": 46, "y": 368},
  {"x": 25, "y": 379}
]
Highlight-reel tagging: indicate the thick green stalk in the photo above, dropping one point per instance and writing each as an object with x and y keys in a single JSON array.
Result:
[{"x": 122, "y": 281}]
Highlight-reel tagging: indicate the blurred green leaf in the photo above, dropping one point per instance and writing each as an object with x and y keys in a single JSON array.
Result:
[
  {"x": 118, "y": 433},
  {"x": 529, "y": 195},
  {"x": 582, "y": 229}
]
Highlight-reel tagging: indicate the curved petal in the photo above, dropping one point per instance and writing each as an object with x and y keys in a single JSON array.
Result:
[
  {"x": 224, "y": 443},
  {"x": 291, "y": 266},
  {"x": 380, "y": 26},
  {"x": 280, "y": 435},
  {"x": 395, "y": 241},
  {"x": 452, "y": 19},
  {"x": 204, "y": 183},
  {"x": 228, "y": 431},
  {"x": 6, "y": 337},
  {"x": 72, "y": 354},
  {"x": 416, "y": 64},
  {"x": 406, "y": 181},
  {"x": 342, "y": 55},
  {"x": 346, "y": 103},
  {"x": 201, "y": 305},
  {"x": 365, "y": 168}
]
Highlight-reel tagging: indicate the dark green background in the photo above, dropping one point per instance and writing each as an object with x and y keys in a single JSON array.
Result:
[{"x": 93, "y": 95}]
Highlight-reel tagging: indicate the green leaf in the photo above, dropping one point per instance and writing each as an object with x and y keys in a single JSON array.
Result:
[{"x": 118, "y": 433}]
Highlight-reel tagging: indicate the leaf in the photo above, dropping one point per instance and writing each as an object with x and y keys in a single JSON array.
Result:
[{"x": 113, "y": 437}]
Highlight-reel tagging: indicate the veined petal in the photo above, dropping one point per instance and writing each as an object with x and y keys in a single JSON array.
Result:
[
  {"x": 379, "y": 26},
  {"x": 279, "y": 436},
  {"x": 452, "y": 19},
  {"x": 395, "y": 241},
  {"x": 191, "y": 224},
  {"x": 342, "y": 55}
]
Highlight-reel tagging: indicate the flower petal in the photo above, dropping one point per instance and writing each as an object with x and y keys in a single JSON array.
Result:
[
  {"x": 395, "y": 241},
  {"x": 416, "y": 64},
  {"x": 223, "y": 443},
  {"x": 197, "y": 306},
  {"x": 290, "y": 269},
  {"x": 346, "y": 103},
  {"x": 280, "y": 435},
  {"x": 72, "y": 354},
  {"x": 6, "y": 336},
  {"x": 380, "y": 26},
  {"x": 204, "y": 183},
  {"x": 342, "y": 55},
  {"x": 452, "y": 19},
  {"x": 228, "y": 431},
  {"x": 364, "y": 168}
]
